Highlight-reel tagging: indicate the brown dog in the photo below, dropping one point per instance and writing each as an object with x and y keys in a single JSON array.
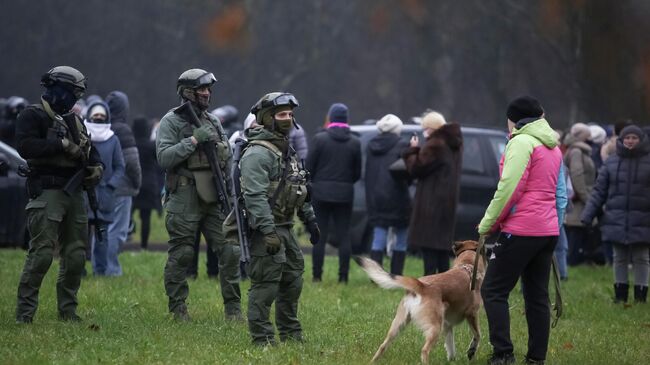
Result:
[{"x": 436, "y": 302}]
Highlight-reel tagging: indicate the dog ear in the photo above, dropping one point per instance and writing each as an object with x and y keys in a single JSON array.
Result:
[{"x": 457, "y": 246}]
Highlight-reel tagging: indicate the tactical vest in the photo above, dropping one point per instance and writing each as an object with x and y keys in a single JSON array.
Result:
[
  {"x": 59, "y": 130},
  {"x": 288, "y": 190},
  {"x": 197, "y": 166}
]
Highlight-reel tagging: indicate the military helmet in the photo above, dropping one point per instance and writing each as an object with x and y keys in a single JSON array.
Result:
[
  {"x": 68, "y": 76},
  {"x": 274, "y": 99},
  {"x": 193, "y": 79}
]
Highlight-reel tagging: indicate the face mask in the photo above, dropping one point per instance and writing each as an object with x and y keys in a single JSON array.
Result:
[
  {"x": 200, "y": 101},
  {"x": 284, "y": 126},
  {"x": 60, "y": 98}
]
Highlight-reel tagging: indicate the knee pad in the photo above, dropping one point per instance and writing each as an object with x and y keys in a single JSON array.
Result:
[
  {"x": 42, "y": 260},
  {"x": 185, "y": 255},
  {"x": 75, "y": 261}
]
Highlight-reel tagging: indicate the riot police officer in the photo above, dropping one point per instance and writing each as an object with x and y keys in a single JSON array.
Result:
[
  {"x": 61, "y": 163},
  {"x": 274, "y": 187},
  {"x": 186, "y": 136}
]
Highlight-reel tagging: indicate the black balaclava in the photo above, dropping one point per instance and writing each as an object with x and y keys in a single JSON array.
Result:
[{"x": 60, "y": 98}]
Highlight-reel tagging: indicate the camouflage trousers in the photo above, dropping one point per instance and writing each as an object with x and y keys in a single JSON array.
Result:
[
  {"x": 186, "y": 215},
  {"x": 275, "y": 278},
  {"x": 53, "y": 217}
]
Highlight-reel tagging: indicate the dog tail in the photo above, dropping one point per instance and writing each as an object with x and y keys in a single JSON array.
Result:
[{"x": 386, "y": 280}]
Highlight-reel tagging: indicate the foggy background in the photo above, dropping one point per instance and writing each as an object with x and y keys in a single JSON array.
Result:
[{"x": 586, "y": 61}]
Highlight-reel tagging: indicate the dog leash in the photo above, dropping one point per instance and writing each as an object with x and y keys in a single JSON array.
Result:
[
  {"x": 480, "y": 252},
  {"x": 557, "y": 306}
]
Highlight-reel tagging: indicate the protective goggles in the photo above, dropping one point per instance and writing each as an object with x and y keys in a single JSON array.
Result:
[
  {"x": 280, "y": 100},
  {"x": 207, "y": 79}
]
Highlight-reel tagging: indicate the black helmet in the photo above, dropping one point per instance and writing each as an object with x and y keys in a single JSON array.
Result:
[
  {"x": 68, "y": 76},
  {"x": 272, "y": 100},
  {"x": 193, "y": 79}
]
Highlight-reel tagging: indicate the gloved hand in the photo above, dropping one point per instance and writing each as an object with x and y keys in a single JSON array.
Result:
[
  {"x": 71, "y": 149},
  {"x": 203, "y": 133},
  {"x": 93, "y": 175},
  {"x": 314, "y": 232},
  {"x": 272, "y": 242}
]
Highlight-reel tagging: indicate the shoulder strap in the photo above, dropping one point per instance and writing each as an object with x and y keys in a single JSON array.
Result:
[{"x": 268, "y": 145}]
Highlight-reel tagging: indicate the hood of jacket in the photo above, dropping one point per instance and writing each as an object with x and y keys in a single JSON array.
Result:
[
  {"x": 540, "y": 129},
  {"x": 262, "y": 134},
  {"x": 339, "y": 133},
  {"x": 118, "y": 102},
  {"x": 382, "y": 143},
  {"x": 641, "y": 149},
  {"x": 99, "y": 102}
]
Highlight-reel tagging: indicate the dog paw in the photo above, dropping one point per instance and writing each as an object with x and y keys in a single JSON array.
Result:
[{"x": 470, "y": 353}]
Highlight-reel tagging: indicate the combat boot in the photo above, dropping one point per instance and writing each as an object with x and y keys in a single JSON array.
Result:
[
  {"x": 23, "y": 320},
  {"x": 69, "y": 317},
  {"x": 640, "y": 293},
  {"x": 620, "y": 292},
  {"x": 181, "y": 314},
  {"x": 501, "y": 359}
]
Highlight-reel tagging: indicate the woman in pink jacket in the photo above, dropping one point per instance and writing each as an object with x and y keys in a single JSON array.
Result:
[{"x": 530, "y": 198}]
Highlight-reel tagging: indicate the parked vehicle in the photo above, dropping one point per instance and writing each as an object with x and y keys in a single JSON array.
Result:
[
  {"x": 482, "y": 150},
  {"x": 13, "y": 198}
]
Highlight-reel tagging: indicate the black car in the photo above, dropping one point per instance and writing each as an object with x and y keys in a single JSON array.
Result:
[
  {"x": 482, "y": 150},
  {"x": 13, "y": 198}
]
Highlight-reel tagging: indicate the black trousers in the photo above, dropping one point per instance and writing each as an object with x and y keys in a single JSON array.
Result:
[
  {"x": 212, "y": 263},
  {"x": 339, "y": 214},
  {"x": 528, "y": 258}
]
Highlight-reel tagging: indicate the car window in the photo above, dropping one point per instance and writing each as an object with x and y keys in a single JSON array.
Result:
[
  {"x": 472, "y": 158},
  {"x": 498, "y": 145}
]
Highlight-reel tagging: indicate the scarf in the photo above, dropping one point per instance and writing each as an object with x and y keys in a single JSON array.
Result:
[{"x": 99, "y": 132}]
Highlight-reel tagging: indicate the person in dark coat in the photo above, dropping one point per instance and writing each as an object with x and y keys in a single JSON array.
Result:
[
  {"x": 129, "y": 185},
  {"x": 334, "y": 161},
  {"x": 148, "y": 198},
  {"x": 387, "y": 199},
  {"x": 623, "y": 189},
  {"x": 437, "y": 166}
]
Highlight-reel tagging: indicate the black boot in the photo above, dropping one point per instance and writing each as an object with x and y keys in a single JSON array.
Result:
[
  {"x": 640, "y": 293},
  {"x": 397, "y": 262},
  {"x": 620, "y": 291},
  {"x": 377, "y": 256}
]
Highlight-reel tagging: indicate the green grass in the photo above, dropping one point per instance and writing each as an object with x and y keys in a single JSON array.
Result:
[{"x": 126, "y": 322}]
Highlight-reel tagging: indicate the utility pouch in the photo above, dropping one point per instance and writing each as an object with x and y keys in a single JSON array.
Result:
[
  {"x": 171, "y": 182},
  {"x": 34, "y": 187}
]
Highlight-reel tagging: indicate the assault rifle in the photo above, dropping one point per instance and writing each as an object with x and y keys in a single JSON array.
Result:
[
  {"x": 240, "y": 210},
  {"x": 78, "y": 178},
  {"x": 211, "y": 153}
]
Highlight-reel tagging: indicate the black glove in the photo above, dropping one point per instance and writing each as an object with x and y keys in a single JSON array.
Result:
[
  {"x": 314, "y": 232},
  {"x": 272, "y": 242}
]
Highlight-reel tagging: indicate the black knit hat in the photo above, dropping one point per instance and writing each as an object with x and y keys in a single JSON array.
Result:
[{"x": 524, "y": 107}]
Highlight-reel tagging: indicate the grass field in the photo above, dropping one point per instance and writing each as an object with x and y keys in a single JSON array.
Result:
[{"x": 126, "y": 322}]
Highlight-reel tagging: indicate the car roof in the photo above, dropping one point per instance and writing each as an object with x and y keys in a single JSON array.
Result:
[{"x": 366, "y": 128}]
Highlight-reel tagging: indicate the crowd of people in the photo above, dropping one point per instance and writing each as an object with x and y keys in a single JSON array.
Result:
[{"x": 599, "y": 176}]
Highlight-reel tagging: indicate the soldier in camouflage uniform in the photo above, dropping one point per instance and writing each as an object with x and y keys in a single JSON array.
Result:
[
  {"x": 58, "y": 151},
  {"x": 191, "y": 201},
  {"x": 274, "y": 187}
]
